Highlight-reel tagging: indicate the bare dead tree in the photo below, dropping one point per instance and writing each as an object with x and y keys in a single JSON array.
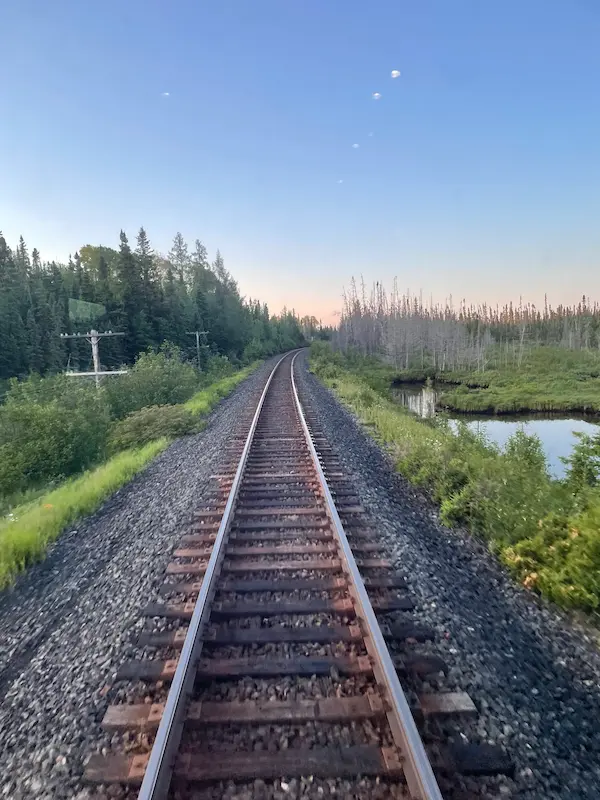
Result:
[{"x": 407, "y": 333}]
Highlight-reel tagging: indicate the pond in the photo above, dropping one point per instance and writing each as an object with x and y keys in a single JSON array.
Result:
[{"x": 557, "y": 434}]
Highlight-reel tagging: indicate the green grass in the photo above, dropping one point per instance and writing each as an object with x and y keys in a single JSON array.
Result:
[
  {"x": 25, "y": 538},
  {"x": 7, "y": 503},
  {"x": 207, "y": 398},
  {"x": 546, "y": 531},
  {"x": 41, "y": 515},
  {"x": 549, "y": 379}
]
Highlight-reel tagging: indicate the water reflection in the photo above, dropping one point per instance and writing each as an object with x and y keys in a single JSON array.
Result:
[
  {"x": 557, "y": 435},
  {"x": 420, "y": 400}
]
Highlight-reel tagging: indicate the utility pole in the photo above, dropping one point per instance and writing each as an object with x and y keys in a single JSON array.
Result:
[
  {"x": 93, "y": 337},
  {"x": 198, "y": 334}
]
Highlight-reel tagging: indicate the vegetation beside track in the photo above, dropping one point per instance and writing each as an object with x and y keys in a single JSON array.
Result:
[
  {"x": 546, "y": 531},
  {"x": 548, "y": 379},
  {"x": 52, "y": 429},
  {"x": 26, "y": 534}
]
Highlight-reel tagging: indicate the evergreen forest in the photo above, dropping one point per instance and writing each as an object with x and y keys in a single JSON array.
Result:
[{"x": 151, "y": 298}]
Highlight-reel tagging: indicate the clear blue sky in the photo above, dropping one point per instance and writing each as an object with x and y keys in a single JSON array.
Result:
[{"x": 481, "y": 177}]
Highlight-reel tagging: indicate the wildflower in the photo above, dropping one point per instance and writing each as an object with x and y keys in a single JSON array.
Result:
[{"x": 530, "y": 580}]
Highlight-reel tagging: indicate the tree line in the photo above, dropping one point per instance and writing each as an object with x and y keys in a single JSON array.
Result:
[
  {"x": 149, "y": 297},
  {"x": 413, "y": 334}
]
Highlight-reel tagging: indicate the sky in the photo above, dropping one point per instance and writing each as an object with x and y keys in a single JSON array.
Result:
[{"x": 477, "y": 171}]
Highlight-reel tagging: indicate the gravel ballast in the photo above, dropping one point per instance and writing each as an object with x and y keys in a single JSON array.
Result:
[
  {"x": 533, "y": 674},
  {"x": 67, "y": 624}
]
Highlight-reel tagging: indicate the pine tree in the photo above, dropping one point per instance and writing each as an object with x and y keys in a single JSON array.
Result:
[
  {"x": 203, "y": 284},
  {"x": 129, "y": 287},
  {"x": 36, "y": 264},
  {"x": 150, "y": 300},
  {"x": 172, "y": 328},
  {"x": 111, "y": 351},
  {"x": 22, "y": 258},
  {"x": 221, "y": 272},
  {"x": 145, "y": 258},
  {"x": 102, "y": 289},
  {"x": 54, "y": 299},
  {"x": 180, "y": 259},
  {"x": 200, "y": 264},
  {"x": 84, "y": 285},
  {"x": 34, "y": 354},
  {"x": 13, "y": 340}
]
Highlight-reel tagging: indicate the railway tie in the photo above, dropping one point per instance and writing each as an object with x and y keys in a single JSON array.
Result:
[{"x": 282, "y": 632}]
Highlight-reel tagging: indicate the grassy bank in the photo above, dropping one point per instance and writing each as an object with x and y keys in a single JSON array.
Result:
[
  {"x": 546, "y": 531},
  {"x": 25, "y": 536},
  {"x": 549, "y": 379},
  {"x": 205, "y": 400},
  {"x": 30, "y": 527}
]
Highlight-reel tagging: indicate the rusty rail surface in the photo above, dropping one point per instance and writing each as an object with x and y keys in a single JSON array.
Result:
[{"x": 281, "y": 575}]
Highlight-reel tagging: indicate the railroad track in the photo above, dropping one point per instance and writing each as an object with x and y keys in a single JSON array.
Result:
[{"x": 277, "y": 651}]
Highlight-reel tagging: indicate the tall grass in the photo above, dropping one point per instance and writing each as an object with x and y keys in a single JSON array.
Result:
[
  {"x": 206, "y": 399},
  {"x": 26, "y": 535}
]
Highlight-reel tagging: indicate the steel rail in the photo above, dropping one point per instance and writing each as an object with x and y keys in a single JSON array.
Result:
[
  {"x": 157, "y": 776},
  {"x": 417, "y": 770}
]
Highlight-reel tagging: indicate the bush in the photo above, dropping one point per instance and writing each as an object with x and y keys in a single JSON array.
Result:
[
  {"x": 501, "y": 496},
  {"x": 156, "y": 379},
  {"x": 562, "y": 561},
  {"x": 255, "y": 349},
  {"x": 217, "y": 367},
  {"x": 49, "y": 429},
  {"x": 154, "y": 422},
  {"x": 583, "y": 464}
]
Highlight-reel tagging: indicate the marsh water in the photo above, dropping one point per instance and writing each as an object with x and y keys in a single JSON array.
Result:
[{"x": 556, "y": 433}]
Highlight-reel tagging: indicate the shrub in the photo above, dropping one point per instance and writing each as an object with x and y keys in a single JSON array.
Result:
[
  {"x": 156, "y": 379},
  {"x": 562, "y": 560},
  {"x": 583, "y": 464},
  {"x": 255, "y": 349},
  {"x": 217, "y": 367},
  {"x": 49, "y": 429},
  {"x": 154, "y": 422}
]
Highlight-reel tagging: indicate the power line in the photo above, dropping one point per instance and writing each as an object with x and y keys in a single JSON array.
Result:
[
  {"x": 93, "y": 337},
  {"x": 198, "y": 334}
]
